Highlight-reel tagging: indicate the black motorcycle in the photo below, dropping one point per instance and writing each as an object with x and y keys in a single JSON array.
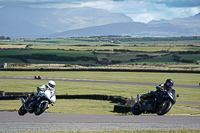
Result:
[{"x": 160, "y": 103}]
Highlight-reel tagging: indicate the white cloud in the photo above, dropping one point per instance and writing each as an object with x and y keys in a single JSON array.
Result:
[
  {"x": 145, "y": 11},
  {"x": 195, "y": 10},
  {"x": 138, "y": 10}
]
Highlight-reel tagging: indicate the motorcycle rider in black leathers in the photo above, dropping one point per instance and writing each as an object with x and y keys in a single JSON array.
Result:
[{"x": 160, "y": 88}]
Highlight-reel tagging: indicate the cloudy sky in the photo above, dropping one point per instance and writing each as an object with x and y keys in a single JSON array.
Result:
[{"x": 138, "y": 10}]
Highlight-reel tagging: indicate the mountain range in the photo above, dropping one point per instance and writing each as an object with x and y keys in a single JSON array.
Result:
[
  {"x": 164, "y": 28},
  {"x": 21, "y": 21}
]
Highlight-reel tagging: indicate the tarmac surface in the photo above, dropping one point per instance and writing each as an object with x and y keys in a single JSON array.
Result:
[{"x": 12, "y": 122}]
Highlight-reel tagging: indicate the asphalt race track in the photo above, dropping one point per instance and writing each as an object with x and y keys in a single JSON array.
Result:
[{"x": 12, "y": 122}]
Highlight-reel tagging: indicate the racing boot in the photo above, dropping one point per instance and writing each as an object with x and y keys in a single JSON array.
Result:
[{"x": 27, "y": 101}]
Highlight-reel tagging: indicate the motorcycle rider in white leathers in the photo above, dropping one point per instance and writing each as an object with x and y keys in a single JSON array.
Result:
[{"x": 50, "y": 85}]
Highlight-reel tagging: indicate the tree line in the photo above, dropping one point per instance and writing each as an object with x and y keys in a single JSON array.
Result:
[{"x": 4, "y": 38}]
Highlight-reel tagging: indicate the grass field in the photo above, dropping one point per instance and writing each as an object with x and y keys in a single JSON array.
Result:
[
  {"x": 113, "y": 40},
  {"x": 104, "y": 51},
  {"x": 186, "y": 48},
  {"x": 35, "y": 56},
  {"x": 103, "y": 107},
  {"x": 37, "y": 51},
  {"x": 111, "y": 48}
]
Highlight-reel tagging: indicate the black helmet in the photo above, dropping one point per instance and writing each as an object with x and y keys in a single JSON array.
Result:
[{"x": 169, "y": 83}]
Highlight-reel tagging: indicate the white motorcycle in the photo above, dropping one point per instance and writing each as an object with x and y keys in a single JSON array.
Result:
[{"x": 38, "y": 105}]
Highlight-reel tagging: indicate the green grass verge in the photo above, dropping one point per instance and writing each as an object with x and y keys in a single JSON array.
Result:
[
  {"x": 79, "y": 106},
  {"x": 84, "y": 106}
]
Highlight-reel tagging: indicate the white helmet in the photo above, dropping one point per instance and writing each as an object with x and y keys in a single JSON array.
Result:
[{"x": 51, "y": 84}]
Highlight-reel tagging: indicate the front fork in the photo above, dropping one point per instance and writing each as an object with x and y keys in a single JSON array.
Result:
[
  {"x": 138, "y": 99},
  {"x": 22, "y": 100}
]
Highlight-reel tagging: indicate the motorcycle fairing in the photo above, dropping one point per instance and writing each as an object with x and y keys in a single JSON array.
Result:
[{"x": 170, "y": 94}]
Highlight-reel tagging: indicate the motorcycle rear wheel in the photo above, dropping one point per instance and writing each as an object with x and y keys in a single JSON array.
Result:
[
  {"x": 164, "y": 107},
  {"x": 41, "y": 109},
  {"x": 22, "y": 111},
  {"x": 136, "y": 109}
]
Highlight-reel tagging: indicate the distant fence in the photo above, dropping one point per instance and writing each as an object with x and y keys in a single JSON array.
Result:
[{"x": 124, "y": 104}]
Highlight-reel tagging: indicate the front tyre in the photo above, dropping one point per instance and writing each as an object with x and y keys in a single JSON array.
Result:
[
  {"x": 22, "y": 111},
  {"x": 164, "y": 107},
  {"x": 136, "y": 109},
  {"x": 41, "y": 108}
]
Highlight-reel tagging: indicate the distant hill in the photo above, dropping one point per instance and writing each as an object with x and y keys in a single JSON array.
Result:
[
  {"x": 190, "y": 22},
  {"x": 20, "y": 21},
  {"x": 177, "y": 27},
  {"x": 16, "y": 28},
  {"x": 130, "y": 28}
]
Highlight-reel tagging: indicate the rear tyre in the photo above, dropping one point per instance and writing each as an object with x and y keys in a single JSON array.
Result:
[
  {"x": 136, "y": 109},
  {"x": 164, "y": 107},
  {"x": 22, "y": 111},
  {"x": 41, "y": 109}
]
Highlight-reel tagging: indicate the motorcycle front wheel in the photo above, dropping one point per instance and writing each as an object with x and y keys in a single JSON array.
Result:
[
  {"x": 136, "y": 109},
  {"x": 22, "y": 110},
  {"x": 41, "y": 108},
  {"x": 164, "y": 107}
]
